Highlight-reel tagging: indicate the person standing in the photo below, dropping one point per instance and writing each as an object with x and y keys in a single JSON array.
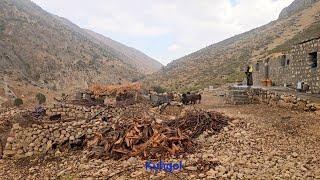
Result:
[{"x": 249, "y": 72}]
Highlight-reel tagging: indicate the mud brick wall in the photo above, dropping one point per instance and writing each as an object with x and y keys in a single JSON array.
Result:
[
  {"x": 297, "y": 67},
  {"x": 74, "y": 111},
  {"x": 46, "y": 138}
]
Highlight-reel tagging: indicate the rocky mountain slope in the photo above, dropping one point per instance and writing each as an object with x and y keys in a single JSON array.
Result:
[
  {"x": 295, "y": 7},
  {"x": 224, "y": 62},
  {"x": 47, "y": 51},
  {"x": 141, "y": 61}
]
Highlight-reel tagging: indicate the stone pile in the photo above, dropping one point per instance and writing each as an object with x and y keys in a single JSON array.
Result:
[{"x": 41, "y": 139}]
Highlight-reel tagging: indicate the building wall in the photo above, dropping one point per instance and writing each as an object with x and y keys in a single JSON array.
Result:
[{"x": 293, "y": 68}]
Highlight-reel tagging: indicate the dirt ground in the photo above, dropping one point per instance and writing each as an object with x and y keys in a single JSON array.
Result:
[{"x": 262, "y": 142}]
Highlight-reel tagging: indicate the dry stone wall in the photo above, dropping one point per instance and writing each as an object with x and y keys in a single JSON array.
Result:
[
  {"x": 73, "y": 111},
  {"x": 46, "y": 138},
  {"x": 41, "y": 135},
  {"x": 283, "y": 99},
  {"x": 11, "y": 112}
]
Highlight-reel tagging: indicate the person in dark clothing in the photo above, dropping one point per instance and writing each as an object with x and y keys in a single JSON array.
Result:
[{"x": 249, "y": 72}]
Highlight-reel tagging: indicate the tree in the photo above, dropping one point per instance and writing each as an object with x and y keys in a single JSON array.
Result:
[
  {"x": 18, "y": 102},
  {"x": 41, "y": 98}
]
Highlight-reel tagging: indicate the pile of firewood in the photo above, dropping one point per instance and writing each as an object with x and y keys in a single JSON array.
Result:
[{"x": 151, "y": 140}]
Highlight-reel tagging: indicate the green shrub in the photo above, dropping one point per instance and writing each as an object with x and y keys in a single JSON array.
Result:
[
  {"x": 158, "y": 89},
  {"x": 41, "y": 98},
  {"x": 18, "y": 102}
]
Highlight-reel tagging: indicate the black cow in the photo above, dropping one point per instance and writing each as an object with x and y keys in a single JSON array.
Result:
[{"x": 191, "y": 98}]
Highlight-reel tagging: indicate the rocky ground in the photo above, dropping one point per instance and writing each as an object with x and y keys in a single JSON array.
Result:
[{"x": 261, "y": 142}]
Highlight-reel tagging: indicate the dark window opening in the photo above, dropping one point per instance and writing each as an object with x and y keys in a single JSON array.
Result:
[
  {"x": 288, "y": 62},
  {"x": 258, "y": 66},
  {"x": 313, "y": 57},
  {"x": 283, "y": 61}
]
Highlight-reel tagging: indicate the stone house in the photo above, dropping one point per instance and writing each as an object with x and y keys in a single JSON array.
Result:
[{"x": 298, "y": 65}]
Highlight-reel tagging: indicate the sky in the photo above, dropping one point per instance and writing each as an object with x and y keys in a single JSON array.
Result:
[{"x": 167, "y": 29}]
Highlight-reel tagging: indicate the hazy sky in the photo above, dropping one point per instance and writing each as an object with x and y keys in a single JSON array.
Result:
[{"x": 167, "y": 29}]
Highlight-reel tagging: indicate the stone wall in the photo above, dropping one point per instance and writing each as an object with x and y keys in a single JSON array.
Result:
[
  {"x": 73, "y": 111},
  {"x": 11, "y": 112},
  {"x": 66, "y": 110},
  {"x": 301, "y": 66},
  {"x": 46, "y": 138},
  {"x": 237, "y": 95},
  {"x": 292, "y": 67},
  {"x": 41, "y": 137},
  {"x": 283, "y": 99}
]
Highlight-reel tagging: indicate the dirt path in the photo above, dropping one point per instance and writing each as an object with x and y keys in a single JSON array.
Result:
[{"x": 261, "y": 142}]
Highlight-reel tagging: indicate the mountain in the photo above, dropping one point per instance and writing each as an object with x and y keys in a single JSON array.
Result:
[
  {"x": 142, "y": 62},
  {"x": 224, "y": 62},
  {"x": 47, "y": 51},
  {"x": 295, "y": 7}
]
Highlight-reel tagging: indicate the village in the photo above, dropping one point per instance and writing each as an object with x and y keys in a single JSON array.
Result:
[
  {"x": 128, "y": 126},
  {"x": 159, "y": 90},
  {"x": 235, "y": 131}
]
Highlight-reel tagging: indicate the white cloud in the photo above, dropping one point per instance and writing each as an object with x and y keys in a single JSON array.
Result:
[{"x": 190, "y": 24}]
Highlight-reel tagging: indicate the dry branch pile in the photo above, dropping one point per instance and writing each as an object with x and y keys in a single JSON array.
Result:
[{"x": 151, "y": 140}]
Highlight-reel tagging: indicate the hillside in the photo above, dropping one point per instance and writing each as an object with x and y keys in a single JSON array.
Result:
[
  {"x": 45, "y": 51},
  {"x": 142, "y": 62},
  {"x": 224, "y": 62}
]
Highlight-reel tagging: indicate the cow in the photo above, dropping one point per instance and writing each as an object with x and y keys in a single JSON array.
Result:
[{"x": 191, "y": 98}]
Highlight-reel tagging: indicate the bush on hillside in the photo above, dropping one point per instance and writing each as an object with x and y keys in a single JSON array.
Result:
[
  {"x": 41, "y": 98},
  {"x": 18, "y": 102}
]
